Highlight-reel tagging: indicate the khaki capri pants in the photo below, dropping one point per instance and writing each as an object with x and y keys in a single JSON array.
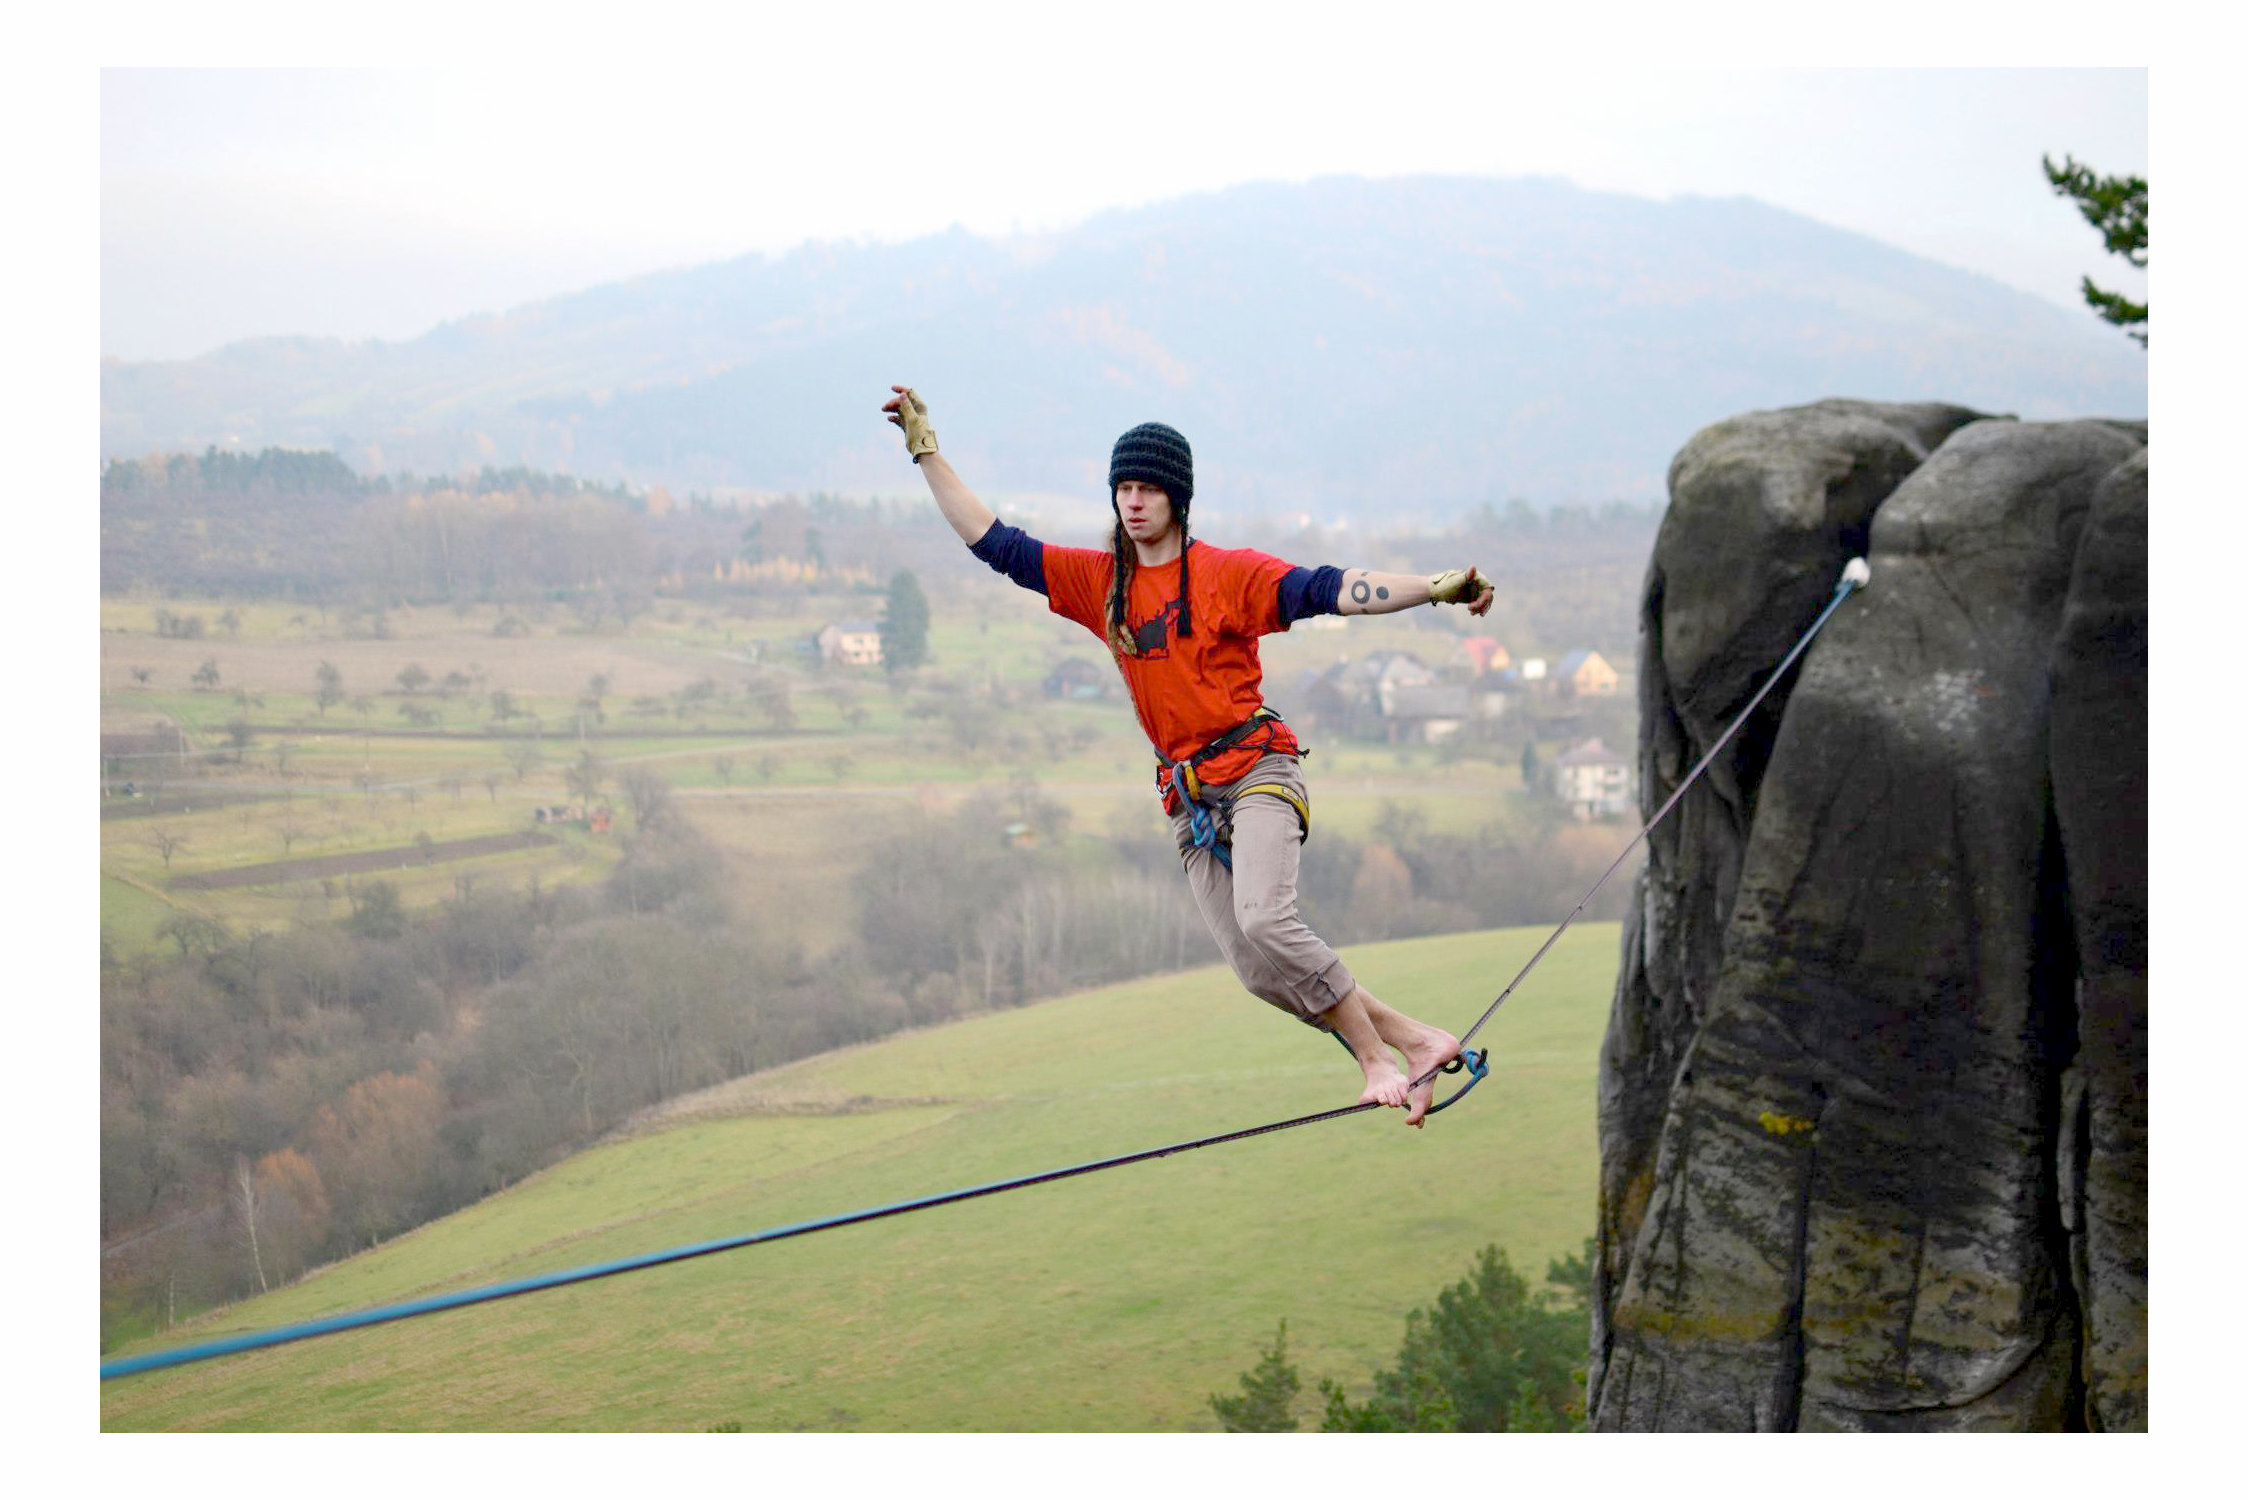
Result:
[{"x": 1251, "y": 908}]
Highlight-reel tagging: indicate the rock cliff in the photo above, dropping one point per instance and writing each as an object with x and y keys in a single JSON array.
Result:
[{"x": 1873, "y": 1096}]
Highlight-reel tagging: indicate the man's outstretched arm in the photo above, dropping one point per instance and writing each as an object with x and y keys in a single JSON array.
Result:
[
  {"x": 1365, "y": 592},
  {"x": 969, "y": 517}
]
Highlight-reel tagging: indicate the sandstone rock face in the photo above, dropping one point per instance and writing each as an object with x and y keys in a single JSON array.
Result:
[{"x": 1873, "y": 1097}]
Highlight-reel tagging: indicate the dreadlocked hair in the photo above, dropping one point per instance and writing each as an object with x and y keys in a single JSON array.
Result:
[
  {"x": 1126, "y": 556},
  {"x": 1120, "y": 591},
  {"x": 1186, "y": 595}
]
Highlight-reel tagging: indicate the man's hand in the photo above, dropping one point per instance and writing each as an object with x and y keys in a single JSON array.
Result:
[
  {"x": 969, "y": 517},
  {"x": 1462, "y": 584},
  {"x": 909, "y": 413}
]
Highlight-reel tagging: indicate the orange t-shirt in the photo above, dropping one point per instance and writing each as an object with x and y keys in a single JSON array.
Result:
[{"x": 1187, "y": 690}]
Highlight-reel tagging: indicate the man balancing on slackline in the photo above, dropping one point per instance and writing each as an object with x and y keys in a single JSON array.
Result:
[{"x": 1182, "y": 619}]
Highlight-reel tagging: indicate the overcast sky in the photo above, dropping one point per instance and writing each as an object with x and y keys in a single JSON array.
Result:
[{"x": 379, "y": 203}]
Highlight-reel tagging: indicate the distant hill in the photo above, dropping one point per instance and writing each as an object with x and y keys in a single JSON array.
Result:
[{"x": 1349, "y": 348}]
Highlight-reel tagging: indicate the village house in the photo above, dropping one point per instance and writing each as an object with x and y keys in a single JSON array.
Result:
[
  {"x": 1355, "y": 697},
  {"x": 1077, "y": 678},
  {"x": 1394, "y": 697},
  {"x": 1593, "y": 781},
  {"x": 1585, "y": 674},
  {"x": 1484, "y": 654},
  {"x": 1424, "y": 713},
  {"x": 851, "y": 643}
]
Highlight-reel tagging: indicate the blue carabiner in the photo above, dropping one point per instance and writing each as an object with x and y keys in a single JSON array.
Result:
[
  {"x": 1200, "y": 821},
  {"x": 1476, "y": 1060}
]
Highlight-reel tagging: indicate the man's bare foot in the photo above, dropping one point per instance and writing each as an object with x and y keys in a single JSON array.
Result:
[
  {"x": 1385, "y": 1083},
  {"x": 1428, "y": 1049}
]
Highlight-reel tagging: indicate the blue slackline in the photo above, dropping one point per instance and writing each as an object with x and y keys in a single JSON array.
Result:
[
  {"x": 1854, "y": 577},
  {"x": 1477, "y": 1064}
]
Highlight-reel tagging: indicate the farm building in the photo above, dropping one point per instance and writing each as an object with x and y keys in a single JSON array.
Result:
[
  {"x": 851, "y": 643},
  {"x": 1586, "y": 674},
  {"x": 1593, "y": 781},
  {"x": 1484, "y": 653},
  {"x": 1424, "y": 713}
]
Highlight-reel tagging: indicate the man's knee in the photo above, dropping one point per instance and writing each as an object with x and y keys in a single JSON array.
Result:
[{"x": 1266, "y": 927}]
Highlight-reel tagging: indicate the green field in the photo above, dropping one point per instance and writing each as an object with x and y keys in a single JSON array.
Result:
[
  {"x": 130, "y": 915},
  {"x": 1115, "y": 1302}
]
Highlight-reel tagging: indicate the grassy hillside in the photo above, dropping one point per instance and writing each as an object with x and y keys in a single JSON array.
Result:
[{"x": 1115, "y": 1302}]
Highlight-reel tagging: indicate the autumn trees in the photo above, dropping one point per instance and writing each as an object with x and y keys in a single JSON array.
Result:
[{"x": 269, "y": 1101}]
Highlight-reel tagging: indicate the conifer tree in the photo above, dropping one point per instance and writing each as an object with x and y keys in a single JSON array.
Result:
[
  {"x": 905, "y": 623},
  {"x": 2117, "y": 208},
  {"x": 1268, "y": 1393}
]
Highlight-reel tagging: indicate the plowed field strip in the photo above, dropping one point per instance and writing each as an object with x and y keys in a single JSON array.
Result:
[{"x": 280, "y": 871}]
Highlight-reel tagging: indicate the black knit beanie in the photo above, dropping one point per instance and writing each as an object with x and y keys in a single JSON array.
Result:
[{"x": 1155, "y": 454}]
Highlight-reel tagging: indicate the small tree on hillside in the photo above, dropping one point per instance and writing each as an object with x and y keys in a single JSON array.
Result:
[
  {"x": 523, "y": 757},
  {"x": 166, "y": 843},
  {"x": 1268, "y": 1393},
  {"x": 648, "y": 793},
  {"x": 245, "y": 1196},
  {"x": 905, "y": 623},
  {"x": 584, "y": 778},
  {"x": 1488, "y": 1357},
  {"x": 327, "y": 687},
  {"x": 375, "y": 910}
]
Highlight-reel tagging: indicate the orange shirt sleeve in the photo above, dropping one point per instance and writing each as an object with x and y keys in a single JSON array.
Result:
[
  {"x": 1077, "y": 585},
  {"x": 1249, "y": 585}
]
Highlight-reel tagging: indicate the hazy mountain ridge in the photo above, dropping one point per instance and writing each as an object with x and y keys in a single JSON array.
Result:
[{"x": 1346, "y": 347}]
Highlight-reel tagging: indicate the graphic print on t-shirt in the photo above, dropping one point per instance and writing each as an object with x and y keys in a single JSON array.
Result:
[{"x": 1153, "y": 637}]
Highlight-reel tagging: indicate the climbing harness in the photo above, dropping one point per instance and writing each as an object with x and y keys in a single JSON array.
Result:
[
  {"x": 1202, "y": 822},
  {"x": 1475, "y": 1061}
]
